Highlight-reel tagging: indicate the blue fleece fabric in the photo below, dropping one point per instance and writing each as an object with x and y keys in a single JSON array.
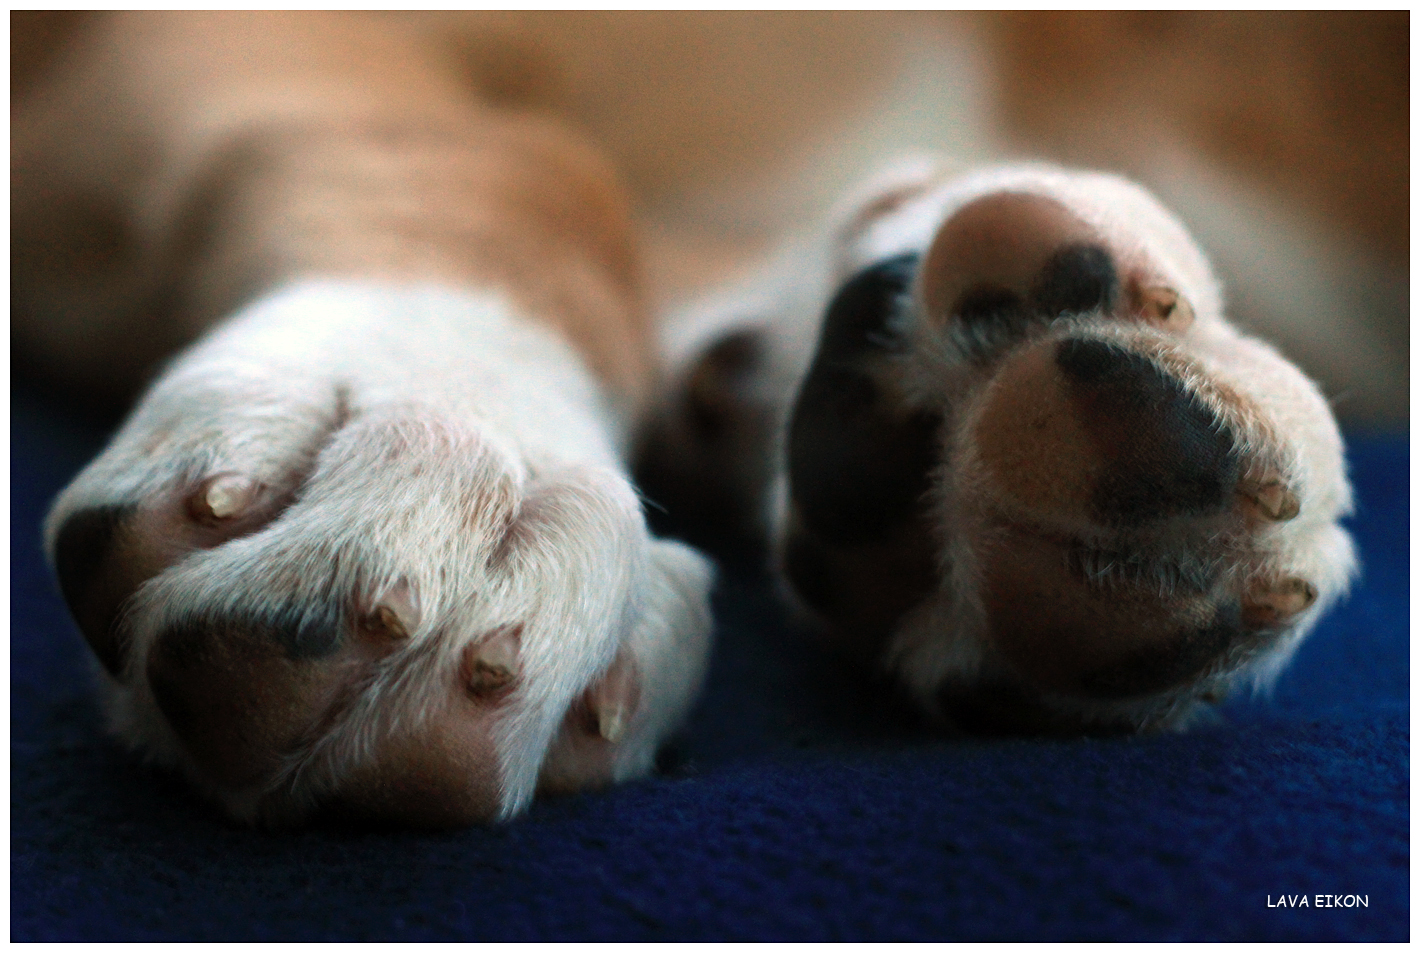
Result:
[{"x": 799, "y": 804}]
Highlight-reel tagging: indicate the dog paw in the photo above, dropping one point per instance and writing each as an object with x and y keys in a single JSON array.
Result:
[
  {"x": 323, "y": 575},
  {"x": 1033, "y": 468}
]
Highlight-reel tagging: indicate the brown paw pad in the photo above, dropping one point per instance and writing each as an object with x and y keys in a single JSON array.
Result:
[
  {"x": 1062, "y": 631},
  {"x": 102, "y": 555},
  {"x": 1075, "y": 279},
  {"x": 245, "y": 690},
  {"x": 1029, "y": 246},
  {"x": 1087, "y": 431},
  {"x": 242, "y": 691},
  {"x": 1009, "y": 263}
]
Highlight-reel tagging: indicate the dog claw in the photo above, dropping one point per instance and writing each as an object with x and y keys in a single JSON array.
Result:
[
  {"x": 1276, "y": 602},
  {"x": 491, "y": 665},
  {"x": 388, "y": 622},
  {"x": 396, "y": 614},
  {"x": 1271, "y": 500},
  {"x": 222, "y": 497},
  {"x": 613, "y": 699},
  {"x": 485, "y": 678},
  {"x": 611, "y": 723},
  {"x": 1167, "y": 308}
]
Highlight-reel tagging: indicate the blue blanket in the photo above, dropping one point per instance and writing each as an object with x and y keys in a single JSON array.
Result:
[{"x": 801, "y": 803}]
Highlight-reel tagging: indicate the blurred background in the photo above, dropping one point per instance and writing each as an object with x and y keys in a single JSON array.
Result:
[{"x": 1282, "y": 139}]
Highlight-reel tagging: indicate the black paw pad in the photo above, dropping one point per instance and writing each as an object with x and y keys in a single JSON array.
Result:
[
  {"x": 1075, "y": 279},
  {"x": 989, "y": 317},
  {"x": 194, "y": 640},
  {"x": 861, "y": 317},
  {"x": 1169, "y": 663},
  {"x": 303, "y": 634},
  {"x": 704, "y": 460},
  {"x": 83, "y": 556},
  {"x": 861, "y": 591},
  {"x": 711, "y": 398},
  {"x": 811, "y": 573},
  {"x": 860, "y": 553},
  {"x": 1164, "y": 452},
  {"x": 858, "y": 463}
]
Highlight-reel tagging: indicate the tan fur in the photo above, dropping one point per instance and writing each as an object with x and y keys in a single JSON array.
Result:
[
  {"x": 247, "y": 150},
  {"x": 1309, "y": 104},
  {"x": 731, "y": 127}
]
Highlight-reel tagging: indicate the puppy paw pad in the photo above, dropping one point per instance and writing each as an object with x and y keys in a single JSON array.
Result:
[{"x": 1077, "y": 278}]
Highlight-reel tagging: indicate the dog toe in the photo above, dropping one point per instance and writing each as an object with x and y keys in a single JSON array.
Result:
[{"x": 858, "y": 457}]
